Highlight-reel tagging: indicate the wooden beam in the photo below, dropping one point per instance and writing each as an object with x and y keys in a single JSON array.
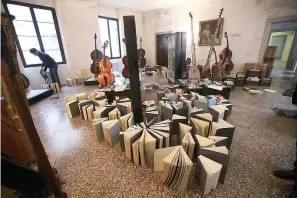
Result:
[
  {"x": 131, "y": 47},
  {"x": 11, "y": 75}
]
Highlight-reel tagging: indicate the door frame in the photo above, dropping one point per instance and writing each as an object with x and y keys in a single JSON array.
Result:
[
  {"x": 285, "y": 38},
  {"x": 156, "y": 34},
  {"x": 267, "y": 33}
]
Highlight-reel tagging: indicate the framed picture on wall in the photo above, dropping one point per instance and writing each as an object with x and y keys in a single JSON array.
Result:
[{"x": 207, "y": 30}]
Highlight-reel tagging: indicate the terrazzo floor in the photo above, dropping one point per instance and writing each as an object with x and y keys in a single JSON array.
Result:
[{"x": 262, "y": 142}]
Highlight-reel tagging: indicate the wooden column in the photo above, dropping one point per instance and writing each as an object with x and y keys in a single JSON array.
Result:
[{"x": 131, "y": 47}]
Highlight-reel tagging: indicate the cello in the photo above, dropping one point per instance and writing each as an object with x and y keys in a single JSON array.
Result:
[
  {"x": 105, "y": 77},
  {"x": 125, "y": 71},
  {"x": 141, "y": 54},
  {"x": 225, "y": 58},
  {"x": 96, "y": 56}
]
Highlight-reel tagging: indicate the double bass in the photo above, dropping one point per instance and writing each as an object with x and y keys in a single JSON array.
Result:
[
  {"x": 225, "y": 58},
  {"x": 96, "y": 56},
  {"x": 141, "y": 54},
  {"x": 105, "y": 76},
  {"x": 125, "y": 71}
]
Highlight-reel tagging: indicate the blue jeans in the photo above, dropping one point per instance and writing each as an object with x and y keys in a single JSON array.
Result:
[{"x": 54, "y": 75}]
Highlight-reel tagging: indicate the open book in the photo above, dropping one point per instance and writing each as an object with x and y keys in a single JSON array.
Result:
[
  {"x": 126, "y": 121},
  {"x": 81, "y": 96},
  {"x": 124, "y": 107},
  {"x": 219, "y": 155},
  {"x": 86, "y": 107},
  {"x": 72, "y": 108},
  {"x": 186, "y": 139},
  {"x": 178, "y": 107},
  {"x": 140, "y": 141},
  {"x": 207, "y": 174},
  {"x": 201, "y": 105},
  {"x": 202, "y": 124},
  {"x": 175, "y": 166},
  {"x": 107, "y": 130},
  {"x": 211, "y": 100},
  {"x": 152, "y": 116},
  {"x": 218, "y": 111},
  {"x": 114, "y": 114},
  {"x": 98, "y": 130},
  {"x": 102, "y": 112},
  {"x": 176, "y": 119},
  {"x": 223, "y": 128}
]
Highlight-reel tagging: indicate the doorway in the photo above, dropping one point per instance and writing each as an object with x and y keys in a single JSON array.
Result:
[
  {"x": 283, "y": 34},
  {"x": 162, "y": 49}
]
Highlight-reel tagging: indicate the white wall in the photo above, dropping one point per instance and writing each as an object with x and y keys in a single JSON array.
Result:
[
  {"x": 78, "y": 21},
  {"x": 244, "y": 19}
]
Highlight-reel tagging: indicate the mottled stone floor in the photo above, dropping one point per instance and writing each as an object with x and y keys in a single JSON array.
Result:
[{"x": 262, "y": 143}]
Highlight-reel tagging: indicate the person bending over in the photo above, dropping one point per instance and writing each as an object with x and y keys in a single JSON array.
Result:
[{"x": 48, "y": 62}]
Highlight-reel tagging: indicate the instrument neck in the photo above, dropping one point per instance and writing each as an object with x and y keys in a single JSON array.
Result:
[
  {"x": 193, "y": 44},
  {"x": 215, "y": 35}
]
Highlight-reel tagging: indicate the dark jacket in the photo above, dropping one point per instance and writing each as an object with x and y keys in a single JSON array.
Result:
[{"x": 47, "y": 61}]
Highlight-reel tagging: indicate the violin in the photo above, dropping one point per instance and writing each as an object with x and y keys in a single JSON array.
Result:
[
  {"x": 225, "y": 58},
  {"x": 96, "y": 56},
  {"x": 105, "y": 76},
  {"x": 140, "y": 55},
  {"x": 125, "y": 71}
]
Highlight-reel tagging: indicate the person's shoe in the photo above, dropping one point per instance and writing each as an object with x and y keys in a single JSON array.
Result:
[{"x": 285, "y": 174}]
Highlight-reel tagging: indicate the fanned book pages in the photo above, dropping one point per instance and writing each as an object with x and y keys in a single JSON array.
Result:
[
  {"x": 218, "y": 111},
  {"x": 186, "y": 139},
  {"x": 202, "y": 124},
  {"x": 207, "y": 174},
  {"x": 72, "y": 108},
  {"x": 140, "y": 141},
  {"x": 114, "y": 114},
  {"x": 98, "y": 130},
  {"x": 219, "y": 155},
  {"x": 124, "y": 107},
  {"x": 111, "y": 131},
  {"x": 223, "y": 128},
  {"x": 126, "y": 121},
  {"x": 176, "y": 168}
]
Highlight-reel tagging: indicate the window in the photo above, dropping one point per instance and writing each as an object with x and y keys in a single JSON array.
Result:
[
  {"x": 36, "y": 27},
  {"x": 109, "y": 31}
]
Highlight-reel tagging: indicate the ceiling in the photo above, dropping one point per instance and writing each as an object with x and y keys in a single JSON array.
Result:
[{"x": 143, "y": 5}]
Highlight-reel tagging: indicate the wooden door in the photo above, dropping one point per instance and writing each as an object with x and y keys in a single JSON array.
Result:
[{"x": 162, "y": 49}]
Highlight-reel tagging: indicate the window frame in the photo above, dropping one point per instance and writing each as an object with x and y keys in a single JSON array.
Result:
[
  {"x": 119, "y": 39},
  {"x": 31, "y": 7}
]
